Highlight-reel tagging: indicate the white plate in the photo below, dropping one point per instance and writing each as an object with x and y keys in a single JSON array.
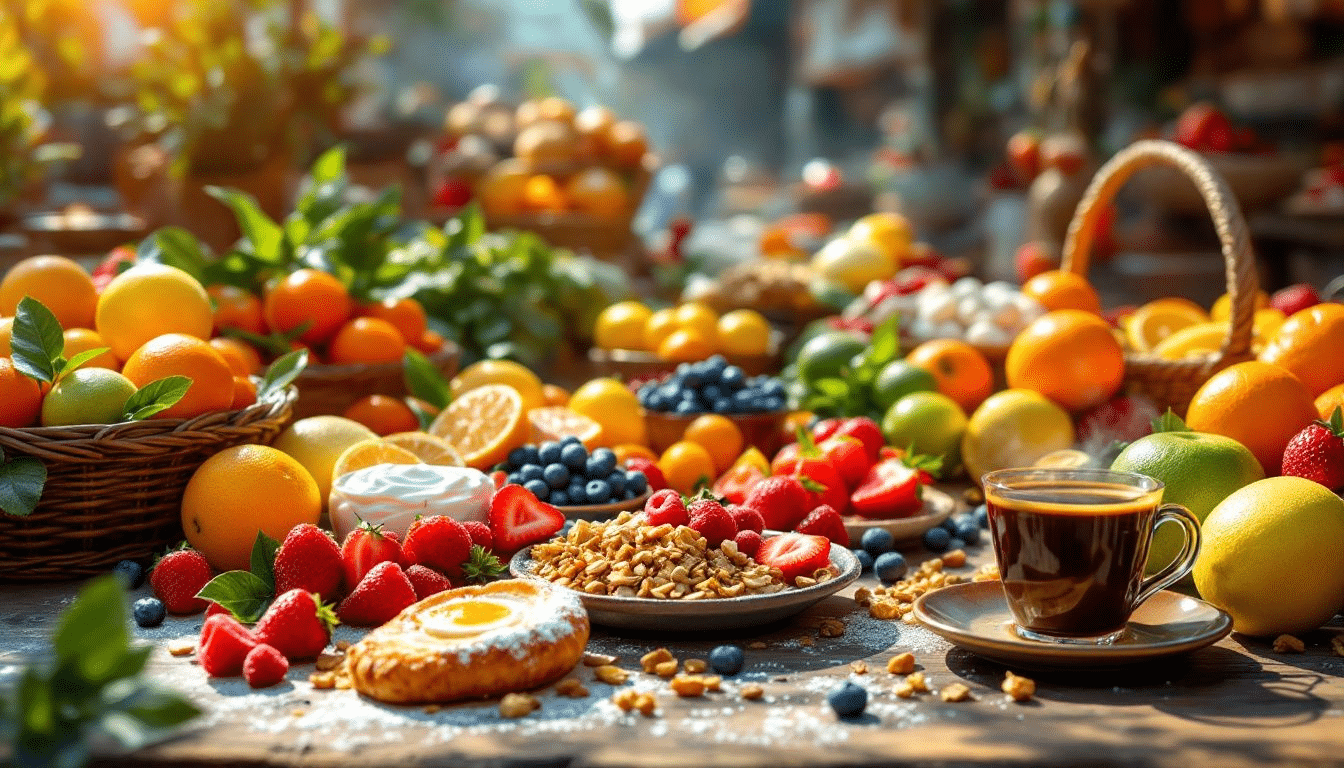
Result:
[{"x": 938, "y": 506}]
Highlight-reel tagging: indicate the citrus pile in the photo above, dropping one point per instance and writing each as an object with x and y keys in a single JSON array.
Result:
[{"x": 685, "y": 333}]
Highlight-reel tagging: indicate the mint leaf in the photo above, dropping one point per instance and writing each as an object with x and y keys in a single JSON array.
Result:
[
  {"x": 92, "y": 634},
  {"x": 424, "y": 380},
  {"x": 156, "y": 707},
  {"x": 1169, "y": 422},
  {"x": 241, "y": 593},
  {"x": 885, "y": 343},
  {"x": 263, "y": 558},
  {"x": 37, "y": 341},
  {"x": 831, "y": 387},
  {"x": 156, "y": 397},
  {"x": 21, "y": 482},
  {"x": 83, "y": 357},
  {"x": 281, "y": 373}
]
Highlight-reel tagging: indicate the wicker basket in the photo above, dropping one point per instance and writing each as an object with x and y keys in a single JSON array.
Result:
[
  {"x": 1172, "y": 383},
  {"x": 115, "y": 492},
  {"x": 330, "y": 389}
]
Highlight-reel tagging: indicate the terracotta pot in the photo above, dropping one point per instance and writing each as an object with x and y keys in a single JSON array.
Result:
[{"x": 273, "y": 184}]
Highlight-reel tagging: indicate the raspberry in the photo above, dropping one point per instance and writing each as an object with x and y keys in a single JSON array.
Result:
[{"x": 264, "y": 666}]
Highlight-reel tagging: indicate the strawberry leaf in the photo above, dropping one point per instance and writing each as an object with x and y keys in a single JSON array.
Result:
[
  {"x": 241, "y": 593},
  {"x": 1169, "y": 422},
  {"x": 263, "y": 558},
  {"x": 424, "y": 381},
  {"x": 37, "y": 341},
  {"x": 156, "y": 397},
  {"x": 22, "y": 480},
  {"x": 807, "y": 446},
  {"x": 811, "y": 485},
  {"x": 1335, "y": 423},
  {"x": 281, "y": 373},
  {"x": 885, "y": 344},
  {"x": 482, "y": 566},
  {"x": 931, "y": 464}
]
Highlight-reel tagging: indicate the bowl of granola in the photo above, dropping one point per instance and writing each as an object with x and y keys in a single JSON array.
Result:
[{"x": 633, "y": 575}]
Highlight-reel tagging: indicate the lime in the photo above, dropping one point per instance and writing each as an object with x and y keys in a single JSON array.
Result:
[
  {"x": 87, "y": 396},
  {"x": 1014, "y": 428},
  {"x": 899, "y": 379},
  {"x": 827, "y": 354},
  {"x": 929, "y": 422},
  {"x": 1270, "y": 556},
  {"x": 1198, "y": 469}
]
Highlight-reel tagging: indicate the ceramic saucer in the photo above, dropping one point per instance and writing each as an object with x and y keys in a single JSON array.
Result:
[
  {"x": 938, "y": 507},
  {"x": 975, "y": 616}
]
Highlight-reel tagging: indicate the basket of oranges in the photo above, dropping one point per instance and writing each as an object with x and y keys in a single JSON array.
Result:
[
  {"x": 1173, "y": 382},
  {"x": 108, "y": 403},
  {"x": 633, "y": 341}
]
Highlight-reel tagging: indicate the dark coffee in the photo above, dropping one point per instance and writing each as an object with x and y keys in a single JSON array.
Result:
[{"x": 1071, "y": 553}]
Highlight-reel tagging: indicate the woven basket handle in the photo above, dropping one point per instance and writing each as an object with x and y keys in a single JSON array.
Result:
[{"x": 1242, "y": 281}]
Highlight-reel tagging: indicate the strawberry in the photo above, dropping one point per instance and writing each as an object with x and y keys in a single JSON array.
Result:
[
  {"x": 1033, "y": 258},
  {"x": 223, "y": 646},
  {"x": 500, "y": 478},
  {"x": 365, "y": 547},
  {"x": 118, "y": 260},
  {"x": 795, "y": 554},
  {"x": 309, "y": 559},
  {"x": 176, "y": 579},
  {"x": 1198, "y": 123},
  {"x": 709, "y": 519},
  {"x": 825, "y": 521},
  {"x": 517, "y": 519},
  {"x": 781, "y": 500},
  {"x": 748, "y": 542},
  {"x": 890, "y": 489},
  {"x": 747, "y": 519},
  {"x": 297, "y": 624},
  {"x": 264, "y": 666},
  {"x": 380, "y": 595},
  {"x": 1294, "y": 299},
  {"x": 666, "y": 507},
  {"x": 1024, "y": 155},
  {"x": 437, "y": 541},
  {"x": 821, "y": 479},
  {"x": 479, "y": 533},
  {"x": 866, "y": 431},
  {"x": 427, "y": 581},
  {"x": 825, "y": 429},
  {"x": 657, "y": 481},
  {"x": 849, "y": 456},
  {"x": 1317, "y": 452},
  {"x": 216, "y": 609},
  {"x": 735, "y": 483}
]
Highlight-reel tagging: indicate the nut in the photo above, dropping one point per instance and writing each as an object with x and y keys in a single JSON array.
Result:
[
  {"x": 646, "y": 704},
  {"x": 859, "y": 667},
  {"x": 343, "y": 683},
  {"x": 323, "y": 681},
  {"x": 611, "y": 675},
  {"x": 1018, "y": 688},
  {"x": 695, "y": 666},
  {"x": 863, "y": 596},
  {"x": 752, "y": 692},
  {"x": 757, "y": 645},
  {"x": 518, "y": 705},
  {"x": 883, "y": 609},
  {"x": 895, "y": 601},
  {"x": 688, "y": 686},
  {"x": 1337, "y": 645},
  {"x": 901, "y": 664},
  {"x": 342, "y": 645},
  {"x": 1288, "y": 644},
  {"x": 956, "y": 692},
  {"x": 571, "y": 687},
  {"x": 327, "y": 660},
  {"x": 807, "y": 642},
  {"x": 599, "y": 659},
  {"x": 830, "y": 628},
  {"x": 666, "y": 669},
  {"x": 182, "y": 647},
  {"x": 652, "y": 659},
  {"x": 624, "y": 699},
  {"x": 904, "y": 691},
  {"x": 713, "y": 683},
  {"x": 955, "y": 559}
]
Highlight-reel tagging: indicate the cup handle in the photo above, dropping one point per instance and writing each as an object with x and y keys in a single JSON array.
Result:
[{"x": 1178, "y": 568}]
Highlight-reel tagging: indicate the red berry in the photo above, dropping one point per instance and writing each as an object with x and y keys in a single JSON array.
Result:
[
  {"x": 747, "y": 519},
  {"x": 517, "y": 519},
  {"x": 215, "y": 609},
  {"x": 1317, "y": 453},
  {"x": 795, "y": 554},
  {"x": 848, "y": 456},
  {"x": 708, "y": 518},
  {"x": 781, "y": 500},
  {"x": 176, "y": 579},
  {"x": 365, "y": 547},
  {"x": 825, "y": 428},
  {"x": 223, "y": 646},
  {"x": 437, "y": 541},
  {"x": 748, "y": 542},
  {"x": 867, "y": 432},
  {"x": 665, "y": 508},
  {"x": 380, "y": 595},
  {"x": 480, "y": 533},
  {"x": 427, "y": 581},
  {"x": 825, "y": 521},
  {"x": 297, "y": 624},
  {"x": 1295, "y": 298},
  {"x": 657, "y": 481},
  {"x": 309, "y": 559},
  {"x": 264, "y": 666}
]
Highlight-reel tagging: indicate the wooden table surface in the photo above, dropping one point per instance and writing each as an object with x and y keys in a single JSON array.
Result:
[{"x": 1233, "y": 704}]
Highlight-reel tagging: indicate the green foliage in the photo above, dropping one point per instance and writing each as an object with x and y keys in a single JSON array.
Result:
[
  {"x": 850, "y": 394},
  {"x": 425, "y": 382},
  {"x": 1169, "y": 422},
  {"x": 21, "y": 482},
  {"x": 156, "y": 397},
  {"x": 23, "y": 85},
  {"x": 91, "y": 686}
]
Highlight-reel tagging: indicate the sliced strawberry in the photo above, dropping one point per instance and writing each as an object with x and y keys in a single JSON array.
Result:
[
  {"x": 500, "y": 478},
  {"x": 517, "y": 519},
  {"x": 890, "y": 489},
  {"x": 367, "y": 546},
  {"x": 825, "y": 521},
  {"x": 795, "y": 554},
  {"x": 264, "y": 666}
]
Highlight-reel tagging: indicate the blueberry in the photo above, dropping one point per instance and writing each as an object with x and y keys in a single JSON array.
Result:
[
  {"x": 574, "y": 456},
  {"x": 950, "y": 525},
  {"x": 629, "y": 494},
  {"x": 526, "y": 454},
  {"x": 556, "y": 475},
  {"x": 937, "y": 539},
  {"x": 132, "y": 575},
  {"x": 969, "y": 533},
  {"x": 531, "y": 472},
  {"x": 981, "y": 515},
  {"x": 636, "y": 481},
  {"x": 670, "y": 391},
  {"x": 570, "y": 440},
  {"x": 559, "y": 498},
  {"x": 616, "y": 481},
  {"x": 513, "y": 478},
  {"x": 732, "y": 378},
  {"x": 865, "y": 560},
  {"x": 955, "y": 543},
  {"x": 692, "y": 378},
  {"x": 548, "y": 453},
  {"x": 711, "y": 392},
  {"x": 538, "y": 488},
  {"x": 686, "y": 407},
  {"x": 149, "y": 612},
  {"x": 601, "y": 463},
  {"x": 877, "y": 540},
  {"x": 714, "y": 367},
  {"x": 849, "y": 700},
  {"x": 772, "y": 387},
  {"x": 598, "y": 491},
  {"x": 727, "y": 659},
  {"x": 723, "y": 405},
  {"x": 577, "y": 490},
  {"x": 890, "y": 567}
]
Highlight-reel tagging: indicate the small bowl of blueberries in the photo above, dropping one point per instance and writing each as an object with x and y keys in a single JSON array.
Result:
[
  {"x": 758, "y": 405},
  {"x": 588, "y": 485}
]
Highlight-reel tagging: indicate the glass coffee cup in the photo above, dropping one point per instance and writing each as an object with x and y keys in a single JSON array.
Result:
[{"x": 1071, "y": 545}]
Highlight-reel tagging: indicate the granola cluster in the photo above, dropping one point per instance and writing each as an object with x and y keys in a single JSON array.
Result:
[{"x": 897, "y": 601}]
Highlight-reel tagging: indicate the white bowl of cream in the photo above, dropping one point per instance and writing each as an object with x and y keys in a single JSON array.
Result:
[{"x": 393, "y": 495}]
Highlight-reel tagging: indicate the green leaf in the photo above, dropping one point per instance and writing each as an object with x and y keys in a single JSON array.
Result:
[
  {"x": 241, "y": 593},
  {"x": 1169, "y": 422},
  {"x": 157, "y": 707},
  {"x": 37, "y": 340},
  {"x": 175, "y": 247},
  {"x": 281, "y": 373},
  {"x": 425, "y": 381},
  {"x": 811, "y": 485},
  {"x": 1335, "y": 423},
  {"x": 835, "y": 388},
  {"x": 92, "y": 632},
  {"x": 83, "y": 357},
  {"x": 263, "y": 558},
  {"x": 329, "y": 166},
  {"x": 807, "y": 447},
  {"x": 21, "y": 482},
  {"x": 156, "y": 397},
  {"x": 263, "y": 236},
  {"x": 885, "y": 344},
  {"x": 422, "y": 414}
]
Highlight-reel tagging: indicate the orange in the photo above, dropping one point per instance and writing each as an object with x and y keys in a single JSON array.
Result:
[
  {"x": 1057, "y": 289},
  {"x": 890, "y": 233},
  {"x": 517, "y": 376},
  {"x": 598, "y": 192},
  {"x": 555, "y": 108},
  {"x": 429, "y": 342},
  {"x": 428, "y": 448},
  {"x": 59, "y": 283},
  {"x": 1329, "y": 400},
  {"x": 626, "y": 451},
  {"x": 1259, "y": 405},
  {"x": 370, "y": 453},
  {"x": 659, "y": 326},
  {"x": 6, "y": 331},
  {"x": 310, "y": 297},
  {"x": 685, "y": 345},
  {"x": 554, "y": 395},
  {"x": 961, "y": 371},
  {"x": 611, "y": 404},
  {"x": 699, "y": 318},
  {"x": 621, "y": 326},
  {"x": 718, "y": 435},
  {"x": 1155, "y": 321},
  {"x": 626, "y": 144},
  {"x": 383, "y": 414},
  {"x": 150, "y": 300},
  {"x": 483, "y": 424},
  {"x": 79, "y": 340},
  {"x": 366, "y": 340},
  {"x": 687, "y": 466},
  {"x": 243, "y": 360},
  {"x": 244, "y": 393},
  {"x": 1222, "y": 307},
  {"x": 177, "y": 354},
  {"x": 554, "y": 422},
  {"x": 744, "y": 332},
  {"x": 236, "y": 308},
  {"x": 407, "y": 315},
  {"x": 593, "y": 125},
  {"x": 1310, "y": 344},
  {"x": 20, "y": 397},
  {"x": 240, "y": 491},
  {"x": 1070, "y": 356},
  {"x": 542, "y": 193},
  {"x": 501, "y": 190}
]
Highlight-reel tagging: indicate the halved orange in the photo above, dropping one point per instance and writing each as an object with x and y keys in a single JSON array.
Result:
[
  {"x": 483, "y": 424},
  {"x": 1154, "y": 322},
  {"x": 428, "y": 448},
  {"x": 556, "y": 422},
  {"x": 370, "y": 453}
]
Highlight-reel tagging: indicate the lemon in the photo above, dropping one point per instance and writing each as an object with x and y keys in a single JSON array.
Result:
[
  {"x": 515, "y": 375},
  {"x": 1270, "y": 556},
  {"x": 87, "y": 396},
  {"x": 621, "y": 326},
  {"x": 1013, "y": 428},
  {"x": 891, "y": 233},
  {"x": 318, "y": 441},
  {"x": 744, "y": 332},
  {"x": 1222, "y": 308},
  {"x": 614, "y": 407}
]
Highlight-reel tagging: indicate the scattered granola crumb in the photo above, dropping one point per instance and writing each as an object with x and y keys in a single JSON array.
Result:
[
  {"x": 431, "y": 709},
  {"x": 901, "y": 664},
  {"x": 688, "y": 686},
  {"x": 752, "y": 691},
  {"x": 652, "y": 659},
  {"x": 611, "y": 675},
  {"x": 713, "y": 683},
  {"x": 571, "y": 687},
  {"x": 182, "y": 647},
  {"x": 299, "y": 712},
  {"x": 599, "y": 659},
  {"x": 1018, "y": 688},
  {"x": 956, "y": 692},
  {"x": 518, "y": 705},
  {"x": 859, "y": 667},
  {"x": 904, "y": 691},
  {"x": 830, "y": 627},
  {"x": 807, "y": 642},
  {"x": 883, "y": 609},
  {"x": 624, "y": 699},
  {"x": 973, "y": 496},
  {"x": 695, "y": 666},
  {"x": 955, "y": 559},
  {"x": 329, "y": 660},
  {"x": 917, "y": 682},
  {"x": 646, "y": 704},
  {"x": 863, "y": 596},
  {"x": 342, "y": 645},
  {"x": 666, "y": 669},
  {"x": 1337, "y": 645},
  {"x": 323, "y": 681},
  {"x": 1288, "y": 644},
  {"x": 757, "y": 645}
]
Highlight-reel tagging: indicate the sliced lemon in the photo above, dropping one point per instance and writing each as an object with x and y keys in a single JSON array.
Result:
[
  {"x": 370, "y": 453},
  {"x": 483, "y": 424},
  {"x": 557, "y": 422},
  {"x": 428, "y": 448},
  {"x": 1156, "y": 321}
]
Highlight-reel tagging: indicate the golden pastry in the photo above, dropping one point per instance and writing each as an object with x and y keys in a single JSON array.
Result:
[{"x": 472, "y": 642}]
